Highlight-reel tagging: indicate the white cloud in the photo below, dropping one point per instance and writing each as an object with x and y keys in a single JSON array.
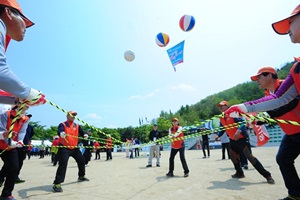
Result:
[
  {"x": 184, "y": 87},
  {"x": 93, "y": 119},
  {"x": 151, "y": 94}
]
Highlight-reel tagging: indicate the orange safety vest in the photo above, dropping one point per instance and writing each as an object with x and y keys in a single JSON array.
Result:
[
  {"x": 71, "y": 140},
  {"x": 276, "y": 86},
  {"x": 293, "y": 115},
  {"x": 17, "y": 127},
  {"x": 178, "y": 143},
  {"x": 230, "y": 131},
  {"x": 96, "y": 145},
  {"x": 109, "y": 143}
]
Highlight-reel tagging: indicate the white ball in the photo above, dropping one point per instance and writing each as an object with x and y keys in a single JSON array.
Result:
[{"x": 129, "y": 55}]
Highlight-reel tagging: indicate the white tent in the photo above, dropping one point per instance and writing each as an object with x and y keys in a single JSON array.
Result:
[{"x": 39, "y": 142}]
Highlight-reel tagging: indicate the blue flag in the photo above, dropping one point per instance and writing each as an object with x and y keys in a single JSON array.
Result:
[{"x": 176, "y": 54}]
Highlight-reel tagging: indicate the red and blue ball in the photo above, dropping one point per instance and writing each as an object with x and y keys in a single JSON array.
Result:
[
  {"x": 187, "y": 22},
  {"x": 162, "y": 39}
]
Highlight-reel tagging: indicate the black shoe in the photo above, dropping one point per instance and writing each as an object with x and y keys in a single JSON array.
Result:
[
  {"x": 82, "y": 178},
  {"x": 18, "y": 180},
  {"x": 290, "y": 197},
  {"x": 149, "y": 166},
  {"x": 157, "y": 165},
  {"x": 204, "y": 157},
  {"x": 245, "y": 166},
  {"x": 270, "y": 180},
  {"x": 238, "y": 175},
  {"x": 57, "y": 188},
  {"x": 170, "y": 174},
  {"x": 186, "y": 175}
]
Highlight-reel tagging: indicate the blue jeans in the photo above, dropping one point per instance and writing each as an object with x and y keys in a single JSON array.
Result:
[{"x": 287, "y": 153}]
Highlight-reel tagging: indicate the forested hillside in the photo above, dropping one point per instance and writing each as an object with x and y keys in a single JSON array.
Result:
[{"x": 206, "y": 108}]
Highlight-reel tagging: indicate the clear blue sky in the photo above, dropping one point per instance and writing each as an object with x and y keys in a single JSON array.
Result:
[{"x": 74, "y": 54}]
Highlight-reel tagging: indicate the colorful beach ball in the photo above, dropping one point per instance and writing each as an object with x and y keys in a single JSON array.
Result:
[
  {"x": 187, "y": 22},
  {"x": 129, "y": 55},
  {"x": 162, "y": 39}
]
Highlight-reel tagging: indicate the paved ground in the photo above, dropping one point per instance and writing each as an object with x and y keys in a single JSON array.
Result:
[{"x": 123, "y": 178}]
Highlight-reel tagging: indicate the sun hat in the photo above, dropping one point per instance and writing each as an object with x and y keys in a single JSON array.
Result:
[
  {"x": 263, "y": 70},
  {"x": 282, "y": 27},
  {"x": 223, "y": 103},
  {"x": 14, "y": 4}
]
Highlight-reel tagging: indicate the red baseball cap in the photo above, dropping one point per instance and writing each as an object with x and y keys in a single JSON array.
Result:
[
  {"x": 14, "y": 4},
  {"x": 263, "y": 70},
  {"x": 223, "y": 103},
  {"x": 282, "y": 27}
]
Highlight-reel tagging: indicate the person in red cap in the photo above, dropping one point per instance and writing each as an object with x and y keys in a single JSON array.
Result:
[
  {"x": 68, "y": 133},
  {"x": 242, "y": 157},
  {"x": 289, "y": 149},
  {"x": 13, "y": 24},
  {"x": 270, "y": 83},
  {"x": 97, "y": 150},
  {"x": 9, "y": 153},
  {"x": 177, "y": 137},
  {"x": 109, "y": 143},
  {"x": 239, "y": 143}
]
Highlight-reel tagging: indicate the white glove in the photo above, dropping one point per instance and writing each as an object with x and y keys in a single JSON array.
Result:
[
  {"x": 38, "y": 96},
  {"x": 63, "y": 134},
  {"x": 240, "y": 108},
  {"x": 15, "y": 144},
  {"x": 234, "y": 115},
  {"x": 85, "y": 135}
]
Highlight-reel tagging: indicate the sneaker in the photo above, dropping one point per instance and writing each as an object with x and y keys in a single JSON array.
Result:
[
  {"x": 18, "y": 180},
  {"x": 186, "y": 175},
  {"x": 170, "y": 174},
  {"x": 270, "y": 180},
  {"x": 149, "y": 166},
  {"x": 157, "y": 165},
  {"x": 204, "y": 157},
  {"x": 290, "y": 197},
  {"x": 82, "y": 178},
  {"x": 245, "y": 166},
  {"x": 7, "y": 198},
  {"x": 57, "y": 188},
  {"x": 238, "y": 175}
]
